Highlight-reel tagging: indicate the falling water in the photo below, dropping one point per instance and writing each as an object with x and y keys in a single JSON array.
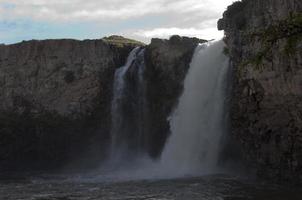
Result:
[
  {"x": 127, "y": 108},
  {"x": 141, "y": 100},
  {"x": 198, "y": 123}
]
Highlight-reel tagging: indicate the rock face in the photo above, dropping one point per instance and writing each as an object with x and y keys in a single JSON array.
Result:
[
  {"x": 167, "y": 63},
  {"x": 55, "y": 98},
  {"x": 264, "y": 39},
  {"x": 153, "y": 85}
]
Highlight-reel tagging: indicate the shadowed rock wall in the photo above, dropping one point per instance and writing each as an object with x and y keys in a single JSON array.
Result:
[
  {"x": 265, "y": 46},
  {"x": 55, "y": 99}
]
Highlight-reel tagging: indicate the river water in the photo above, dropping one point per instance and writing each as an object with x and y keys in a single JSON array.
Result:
[{"x": 210, "y": 187}]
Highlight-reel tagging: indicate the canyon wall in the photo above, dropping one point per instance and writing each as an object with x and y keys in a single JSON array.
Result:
[
  {"x": 55, "y": 97},
  {"x": 264, "y": 42}
]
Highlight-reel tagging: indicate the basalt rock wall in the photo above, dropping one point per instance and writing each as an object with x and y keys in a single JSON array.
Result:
[
  {"x": 55, "y": 100},
  {"x": 264, "y": 42}
]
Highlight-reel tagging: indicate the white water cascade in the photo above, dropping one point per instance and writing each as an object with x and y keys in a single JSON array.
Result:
[
  {"x": 198, "y": 123},
  {"x": 127, "y": 108}
]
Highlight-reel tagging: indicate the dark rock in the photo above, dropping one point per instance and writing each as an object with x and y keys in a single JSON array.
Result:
[
  {"x": 167, "y": 62},
  {"x": 221, "y": 24},
  {"x": 55, "y": 98},
  {"x": 267, "y": 92}
]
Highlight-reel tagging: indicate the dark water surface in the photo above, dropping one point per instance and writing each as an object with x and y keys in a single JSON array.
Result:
[{"x": 220, "y": 187}]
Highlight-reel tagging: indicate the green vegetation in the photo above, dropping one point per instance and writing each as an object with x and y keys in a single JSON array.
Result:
[
  {"x": 255, "y": 61},
  {"x": 289, "y": 29},
  {"x": 226, "y": 51},
  {"x": 121, "y": 41},
  {"x": 284, "y": 29},
  {"x": 291, "y": 45},
  {"x": 294, "y": 32}
]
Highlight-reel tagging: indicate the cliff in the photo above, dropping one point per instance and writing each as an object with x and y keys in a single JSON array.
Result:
[
  {"x": 167, "y": 63},
  {"x": 55, "y": 97},
  {"x": 264, "y": 42}
]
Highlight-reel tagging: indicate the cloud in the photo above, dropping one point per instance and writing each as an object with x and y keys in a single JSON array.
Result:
[
  {"x": 185, "y": 17},
  {"x": 207, "y": 33},
  {"x": 70, "y": 10}
]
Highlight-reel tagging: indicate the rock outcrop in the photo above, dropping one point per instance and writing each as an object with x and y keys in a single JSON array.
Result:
[
  {"x": 153, "y": 84},
  {"x": 55, "y": 98},
  {"x": 264, "y": 40},
  {"x": 167, "y": 63}
]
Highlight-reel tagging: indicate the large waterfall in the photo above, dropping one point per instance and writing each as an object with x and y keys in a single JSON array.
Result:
[{"x": 198, "y": 123}]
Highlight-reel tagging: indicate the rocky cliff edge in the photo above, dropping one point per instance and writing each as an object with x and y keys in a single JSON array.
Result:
[{"x": 264, "y": 42}]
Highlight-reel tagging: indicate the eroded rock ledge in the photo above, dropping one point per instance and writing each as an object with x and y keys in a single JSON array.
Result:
[{"x": 265, "y": 46}]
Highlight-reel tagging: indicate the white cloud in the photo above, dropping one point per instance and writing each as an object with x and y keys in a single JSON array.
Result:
[
  {"x": 185, "y": 17},
  {"x": 206, "y": 33},
  {"x": 69, "y": 10}
]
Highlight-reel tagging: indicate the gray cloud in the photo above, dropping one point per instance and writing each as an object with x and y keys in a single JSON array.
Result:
[{"x": 179, "y": 16}]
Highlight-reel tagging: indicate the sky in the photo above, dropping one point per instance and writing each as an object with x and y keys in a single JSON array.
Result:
[{"x": 92, "y": 19}]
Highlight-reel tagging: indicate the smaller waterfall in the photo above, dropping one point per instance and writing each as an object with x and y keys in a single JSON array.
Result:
[
  {"x": 198, "y": 123},
  {"x": 128, "y": 108},
  {"x": 141, "y": 101}
]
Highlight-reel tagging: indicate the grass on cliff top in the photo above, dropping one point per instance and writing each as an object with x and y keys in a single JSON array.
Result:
[{"x": 121, "y": 41}]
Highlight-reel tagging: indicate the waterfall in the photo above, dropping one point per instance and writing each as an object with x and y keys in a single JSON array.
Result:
[
  {"x": 141, "y": 101},
  {"x": 128, "y": 108},
  {"x": 198, "y": 123}
]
